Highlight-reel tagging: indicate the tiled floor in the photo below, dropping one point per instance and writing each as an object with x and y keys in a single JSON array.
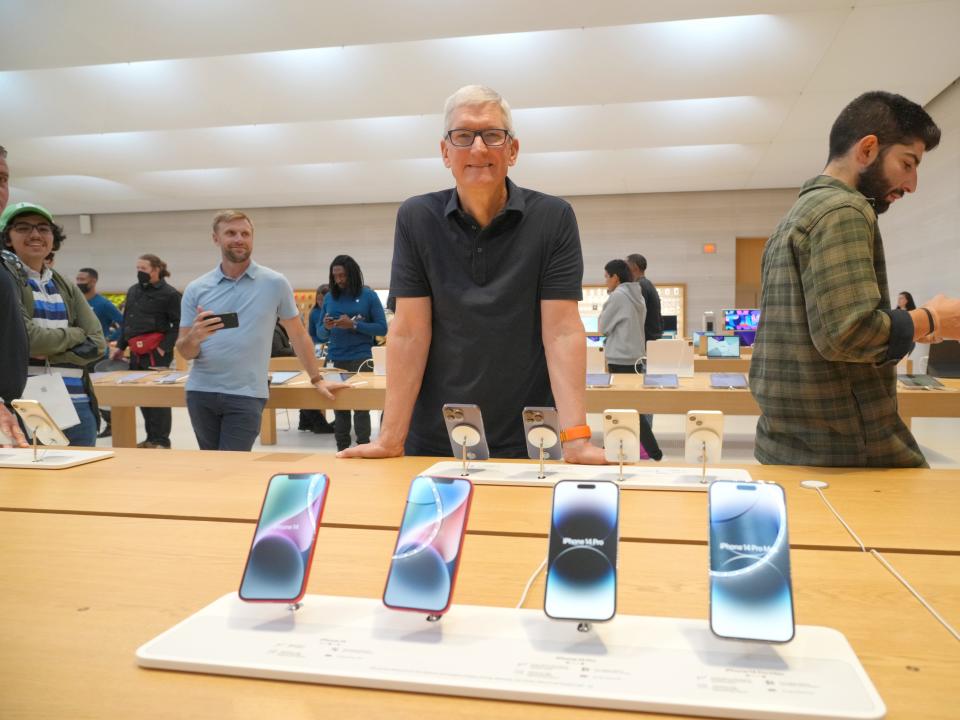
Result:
[{"x": 938, "y": 437}]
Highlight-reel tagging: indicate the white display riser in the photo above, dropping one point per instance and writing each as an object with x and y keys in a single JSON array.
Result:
[
  {"x": 636, "y": 477},
  {"x": 49, "y": 459},
  {"x": 638, "y": 663}
]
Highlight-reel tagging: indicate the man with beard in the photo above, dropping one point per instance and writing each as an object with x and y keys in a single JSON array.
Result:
[
  {"x": 823, "y": 368},
  {"x": 227, "y": 386}
]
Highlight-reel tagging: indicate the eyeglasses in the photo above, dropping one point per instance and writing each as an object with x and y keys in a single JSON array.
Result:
[
  {"x": 492, "y": 137},
  {"x": 26, "y": 228}
]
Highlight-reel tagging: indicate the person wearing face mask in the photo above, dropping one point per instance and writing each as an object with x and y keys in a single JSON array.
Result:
[
  {"x": 106, "y": 312},
  {"x": 151, "y": 322}
]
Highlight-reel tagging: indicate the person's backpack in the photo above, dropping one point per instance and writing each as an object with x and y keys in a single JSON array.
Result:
[{"x": 281, "y": 343}]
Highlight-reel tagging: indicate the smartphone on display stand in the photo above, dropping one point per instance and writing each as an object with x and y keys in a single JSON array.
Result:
[
  {"x": 465, "y": 421},
  {"x": 38, "y": 422},
  {"x": 621, "y": 428},
  {"x": 534, "y": 417},
  {"x": 278, "y": 563},
  {"x": 751, "y": 595},
  {"x": 423, "y": 569},
  {"x": 582, "y": 556}
]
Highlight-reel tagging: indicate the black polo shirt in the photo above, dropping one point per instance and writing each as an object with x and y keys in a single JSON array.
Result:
[{"x": 485, "y": 286}]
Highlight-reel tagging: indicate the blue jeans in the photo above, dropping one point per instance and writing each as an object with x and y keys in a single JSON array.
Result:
[
  {"x": 224, "y": 422},
  {"x": 84, "y": 434}
]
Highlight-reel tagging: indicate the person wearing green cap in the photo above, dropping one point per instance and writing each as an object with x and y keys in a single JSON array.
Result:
[{"x": 64, "y": 334}]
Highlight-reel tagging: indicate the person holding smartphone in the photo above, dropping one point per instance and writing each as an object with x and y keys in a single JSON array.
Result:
[
  {"x": 353, "y": 317},
  {"x": 227, "y": 387}
]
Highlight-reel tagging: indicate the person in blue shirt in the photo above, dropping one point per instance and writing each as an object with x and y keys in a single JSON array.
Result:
[
  {"x": 107, "y": 313},
  {"x": 353, "y": 316},
  {"x": 316, "y": 420},
  {"x": 110, "y": 319}
]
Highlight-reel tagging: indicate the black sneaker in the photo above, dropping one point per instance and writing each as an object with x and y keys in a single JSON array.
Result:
[{"x": 107, "y": 432}]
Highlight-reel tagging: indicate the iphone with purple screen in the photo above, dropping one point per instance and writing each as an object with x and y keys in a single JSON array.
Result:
[
  {"x": 423, "y": 569},
  {"x": 278, "y": 563}
]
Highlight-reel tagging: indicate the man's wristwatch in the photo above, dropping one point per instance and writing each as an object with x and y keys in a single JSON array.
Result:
[
  {"x": 577, "y": 432},
  {"x": 314, "y": 379}
]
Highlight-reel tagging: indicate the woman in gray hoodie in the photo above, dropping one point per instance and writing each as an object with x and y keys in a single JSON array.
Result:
[{"x": 622, "y": 318}]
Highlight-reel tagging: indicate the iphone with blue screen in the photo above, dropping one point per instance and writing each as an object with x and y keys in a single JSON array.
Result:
[
  {"x": 582, "y": 554},
  {"x": 423, "y": 569},
  {"x": 278, "y": 563},
  {"x": 751, "y": 596}
]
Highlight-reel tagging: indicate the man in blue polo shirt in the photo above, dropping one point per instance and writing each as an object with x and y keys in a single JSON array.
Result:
[
  {"x": 487, "y": 277},
  {"x": 227, "y": 386}
]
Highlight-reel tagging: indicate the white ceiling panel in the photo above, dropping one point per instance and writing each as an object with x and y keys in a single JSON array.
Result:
[
  {"x": 188, "y": 105},
  {"x": 96, "y": 32}
]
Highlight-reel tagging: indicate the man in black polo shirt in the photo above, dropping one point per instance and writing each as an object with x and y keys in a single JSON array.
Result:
[{"x": 487, "y": 277}]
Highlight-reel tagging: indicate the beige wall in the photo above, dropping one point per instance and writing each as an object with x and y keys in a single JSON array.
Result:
[
  {"x": 669, "y": 229},
  {"x": 921, "y": 232}
]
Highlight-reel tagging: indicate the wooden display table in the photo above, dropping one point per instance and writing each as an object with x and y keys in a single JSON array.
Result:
[
  {"x": 889, "y": 509},
  {"x": 82, "y": 593},
  {"x": 627, "y": 392}
]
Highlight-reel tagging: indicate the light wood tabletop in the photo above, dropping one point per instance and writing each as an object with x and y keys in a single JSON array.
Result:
[
  {"x": 890, "y": 509},
  {"x": 82, "y": 593},
  {"x": 627, "y": 391}
]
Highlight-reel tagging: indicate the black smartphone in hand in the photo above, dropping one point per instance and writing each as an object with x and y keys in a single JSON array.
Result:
[{"x": 229, "y": 320}]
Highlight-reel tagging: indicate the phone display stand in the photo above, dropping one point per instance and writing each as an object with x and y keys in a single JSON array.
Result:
[
  {"x": 653, "y": 664},
  {"x": 707, "y": 446},
  {"x": 625, "y": 440},
  {"x": 465, "y": 436},
  {"x": 635, "y": 477},
  {"x": 49, "y": 458},
  {"x": 543, "y": 438}
]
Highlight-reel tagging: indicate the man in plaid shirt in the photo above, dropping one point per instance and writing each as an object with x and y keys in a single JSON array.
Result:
[{"x": 823, "y": 368}]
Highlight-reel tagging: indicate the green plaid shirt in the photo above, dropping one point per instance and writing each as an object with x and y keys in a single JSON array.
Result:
[{"x": 821, "y": 369}]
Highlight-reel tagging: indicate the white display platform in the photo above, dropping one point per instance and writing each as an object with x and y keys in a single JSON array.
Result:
[
  {"x": 49, "y": 459},
  {"x": 636, "y": 477},
  {"x": 631, "y": 663}
]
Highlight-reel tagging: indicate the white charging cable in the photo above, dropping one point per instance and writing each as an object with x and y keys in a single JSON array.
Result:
[
  {"x": 526, "y": 589},
  {"x": 818, "y": 485}
]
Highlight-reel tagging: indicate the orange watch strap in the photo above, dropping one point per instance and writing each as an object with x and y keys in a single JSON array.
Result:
[{"x": 577, "y": 432}]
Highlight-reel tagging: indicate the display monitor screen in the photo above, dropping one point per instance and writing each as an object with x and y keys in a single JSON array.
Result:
[
  {"x": 669, "y": 324},
  {"x": 748, "y": 319},
  {"x": 747, "y": 337},
  {"x": 723, "y": 346},
  {"x": 728, "y": 380},
  {"x": 944, "y": 360},
  {"x": 663, "y": 380}
]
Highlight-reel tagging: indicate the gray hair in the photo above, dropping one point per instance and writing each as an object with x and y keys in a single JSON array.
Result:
[{"x": 476, "y": 95}]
